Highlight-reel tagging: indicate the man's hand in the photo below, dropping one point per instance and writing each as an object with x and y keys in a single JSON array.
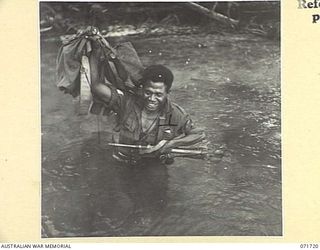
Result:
[
  {"x": 166, "y": 147},
  {"x": 154, "y": 149}
]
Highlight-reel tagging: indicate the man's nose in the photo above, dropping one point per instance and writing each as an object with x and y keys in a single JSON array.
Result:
[{"x": 152, "y": 97}]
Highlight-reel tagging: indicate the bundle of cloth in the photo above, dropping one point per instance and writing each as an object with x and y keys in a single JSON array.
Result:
[{"x": 119, "y": 66}]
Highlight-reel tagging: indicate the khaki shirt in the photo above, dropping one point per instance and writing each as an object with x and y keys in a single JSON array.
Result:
[{"x": 171, "y": 122}]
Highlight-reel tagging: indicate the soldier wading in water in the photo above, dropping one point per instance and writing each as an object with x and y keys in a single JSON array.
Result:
[{"x": 148, "y": 119}]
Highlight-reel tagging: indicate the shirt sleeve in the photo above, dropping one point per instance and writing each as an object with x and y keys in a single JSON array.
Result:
[
  {"x": 187, "y": 126},
  {"x": 116, "y": 101},
  {"x": 183, "y": 120}
]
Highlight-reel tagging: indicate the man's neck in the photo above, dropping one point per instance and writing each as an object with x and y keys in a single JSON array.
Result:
[{"x": 150, "y": 113}]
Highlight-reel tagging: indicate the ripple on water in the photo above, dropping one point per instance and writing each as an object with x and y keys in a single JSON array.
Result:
[{"x": 234, "y": 192}]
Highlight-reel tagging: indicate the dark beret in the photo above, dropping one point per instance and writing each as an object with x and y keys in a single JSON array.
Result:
[{"x": 158, "y": 73}]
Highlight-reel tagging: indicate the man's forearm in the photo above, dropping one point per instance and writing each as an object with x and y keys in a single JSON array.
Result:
[
  {"x": 102, "y": 92},
  {"x": 98, "y": 89},
  {"x": 185, "y": 140}
]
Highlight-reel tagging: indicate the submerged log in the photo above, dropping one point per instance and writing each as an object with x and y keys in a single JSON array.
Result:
[{"x": 212, "y": 14}]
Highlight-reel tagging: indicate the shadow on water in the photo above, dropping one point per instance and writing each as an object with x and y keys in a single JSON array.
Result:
[{"x": 92, "y": 195}]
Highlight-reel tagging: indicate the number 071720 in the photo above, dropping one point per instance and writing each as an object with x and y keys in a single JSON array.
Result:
[{"x": 309, "y": 246}]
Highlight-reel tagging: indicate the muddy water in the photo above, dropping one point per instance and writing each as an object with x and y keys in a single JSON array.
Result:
[{"x": 230, "y": 85}]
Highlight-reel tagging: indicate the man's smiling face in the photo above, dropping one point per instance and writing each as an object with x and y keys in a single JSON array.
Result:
[{"x": 154, "y": 95}]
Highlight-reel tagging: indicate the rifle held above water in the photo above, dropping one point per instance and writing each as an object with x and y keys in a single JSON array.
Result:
[{"x": 175, "y": 152}]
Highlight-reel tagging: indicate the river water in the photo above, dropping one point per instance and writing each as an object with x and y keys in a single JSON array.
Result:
[{"x": 230, "y": 85}]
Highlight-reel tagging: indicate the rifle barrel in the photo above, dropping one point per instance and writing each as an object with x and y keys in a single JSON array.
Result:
[
  {"x": 128, "y": 145},
  {"x": 186, "y": 151}
]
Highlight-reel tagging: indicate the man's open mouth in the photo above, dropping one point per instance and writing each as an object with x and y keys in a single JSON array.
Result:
[{"x": 152, "y": 105}]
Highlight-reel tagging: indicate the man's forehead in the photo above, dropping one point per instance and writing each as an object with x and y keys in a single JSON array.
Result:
[{"x": 155, "y": 85}]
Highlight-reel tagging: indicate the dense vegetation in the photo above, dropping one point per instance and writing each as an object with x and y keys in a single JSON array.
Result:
[{"x": 261, "y": 18}]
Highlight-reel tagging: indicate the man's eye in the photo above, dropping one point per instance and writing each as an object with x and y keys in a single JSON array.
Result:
[
  {"x": 148, "y": 93},
  {"x": 159, "y": 95}
]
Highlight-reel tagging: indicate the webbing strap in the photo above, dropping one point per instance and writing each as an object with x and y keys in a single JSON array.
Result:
[
  {"x": 85, "y": 91},
  {"x": 113, "y": 68}
]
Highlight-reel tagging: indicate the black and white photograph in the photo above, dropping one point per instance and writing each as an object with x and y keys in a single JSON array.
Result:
[{"x": 160, "y": 118}]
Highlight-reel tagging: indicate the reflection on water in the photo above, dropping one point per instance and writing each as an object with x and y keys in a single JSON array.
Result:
[
  {"x": 231, "y": 87},
  {"x": 90, "y": 194}
]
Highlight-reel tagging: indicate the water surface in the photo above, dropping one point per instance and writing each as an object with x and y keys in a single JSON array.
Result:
[{"x": 230, "y": 85}]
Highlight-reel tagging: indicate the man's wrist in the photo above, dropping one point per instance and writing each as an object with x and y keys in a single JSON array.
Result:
[{"x": 167, "y": 147}]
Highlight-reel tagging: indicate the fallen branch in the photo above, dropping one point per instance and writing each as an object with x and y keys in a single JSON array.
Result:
[
  {"x": 42, "y": 30},
  {"x": 212, "y": 14}
]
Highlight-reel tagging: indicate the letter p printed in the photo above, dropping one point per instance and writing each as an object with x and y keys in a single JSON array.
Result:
[{"x": 315, "y": 18}]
